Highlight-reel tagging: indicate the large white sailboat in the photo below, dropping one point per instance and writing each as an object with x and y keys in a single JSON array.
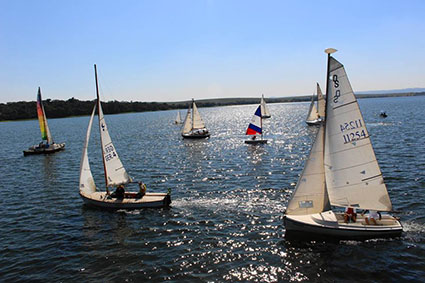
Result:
[
  {"x": 50, "y": 146},
  {"x": 265, "y": 113},
  {"x": 193, "y": 125},
  {"x": 115, "y": 174},
  {"x": 341, "y": 171},
  {"x": 316, "y": 115}
]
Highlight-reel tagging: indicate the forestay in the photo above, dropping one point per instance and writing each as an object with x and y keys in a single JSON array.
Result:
[
  {"x": 353, "y": 176},
  {"x": 197, "y": 120},
  {"x": 310, "y": 193},
  {"x": 115, "y": 173},
  {"x": 87, "y": 185}
]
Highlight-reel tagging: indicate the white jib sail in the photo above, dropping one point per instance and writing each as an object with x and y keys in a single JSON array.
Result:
[
  {"x": 310, "y": 194},
  {"x": 178, "y": 118},
  {"x": 87, "y": 185},
  {"x": 187, "y": 125},
  {"x": 353, "y": 176},
  {"x": 312, "y": 113},
  {"x": 197, "y": 120},
  {"x": 320, "y": 102},
  {"x": 114, "y": 170},
  {"x": 264, "y": 109}
]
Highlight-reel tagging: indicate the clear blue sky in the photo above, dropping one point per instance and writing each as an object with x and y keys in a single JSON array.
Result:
[{"x": 175, "y": 50}]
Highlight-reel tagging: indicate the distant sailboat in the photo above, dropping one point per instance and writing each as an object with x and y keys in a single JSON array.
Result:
[
  {"x": 264, "y": 109},
  {"x": 316, "y": 115},
  {"x": 341, "y": 171},
  {"x": 178, "y": 118},
  {"x": 115, "y": 174},
  {"x": 193, "y": 126},
  {"x": 255, "y": 128},
  {"x": 50, "y": 146}
]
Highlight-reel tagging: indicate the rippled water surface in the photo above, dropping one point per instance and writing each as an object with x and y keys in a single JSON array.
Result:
[{"x": 225, "y": 222}]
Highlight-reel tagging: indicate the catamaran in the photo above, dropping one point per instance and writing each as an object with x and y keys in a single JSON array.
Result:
[
  {"x": 193, "y": 126},
  {"x": 50, "y": 146},
  {"x": 178, "y": 118},
  {"x": 341, "y": 171},
  {"x": 264, "y": 109},
  {"x": 316, "y": 115},
  {"x": 115, "y": 174},
  {"x": 255, "y": 128}
]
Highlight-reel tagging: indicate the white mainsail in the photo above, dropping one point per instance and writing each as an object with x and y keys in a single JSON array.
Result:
[
  {"x": 310, "y": 193},
  {"x": 87, "y": 185},
  {"x": 312, "y": 112},
  {"x": 353, "y": 176},
  {"x": 197, "y": 122},
  {"x": 187, "y": 125},
  {"x": 320, "y": 102},
  {"x": 264, "y": 109},
  {"x": 115, "y": 173}
]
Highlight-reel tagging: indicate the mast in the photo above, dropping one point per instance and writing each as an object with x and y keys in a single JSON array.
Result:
[
  {"x": 100, "y": 128},
  {"x": 261, "y": 124},
  {"x": 193, "y": 102}
]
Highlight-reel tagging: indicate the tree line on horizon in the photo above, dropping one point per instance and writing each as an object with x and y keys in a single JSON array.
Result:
[{"x": 73, "y": 107}]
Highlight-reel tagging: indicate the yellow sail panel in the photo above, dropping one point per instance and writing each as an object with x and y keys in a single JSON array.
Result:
[{"x": 41, "y": 116}]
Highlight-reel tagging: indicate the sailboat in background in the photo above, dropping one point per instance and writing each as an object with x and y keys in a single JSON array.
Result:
[
  {"x": 115, "y": 174},
  {"x": 50, "y": 146},
  {"x": 193, "y": 126},
  {"x": 316, "y": 115},
  {"x": 255, "y": 128},
  {"x": 264, "y": 109},
  {"x": 178, "y": 118},
  {"x": 341, "y": 171}
]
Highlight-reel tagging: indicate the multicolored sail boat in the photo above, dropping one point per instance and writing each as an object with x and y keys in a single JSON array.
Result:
[
  {"x": 316, "y": 115},
  {"x": 115, "y": 174},
  {"x": 341, "y": 171},
  {"x": 194, "y": 126},
  {"x": 255, "y": 128},
  {"x": 43, "y": 147}
]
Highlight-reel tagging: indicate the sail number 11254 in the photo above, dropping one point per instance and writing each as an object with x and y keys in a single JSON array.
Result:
[{"x": 354, "y": 135}]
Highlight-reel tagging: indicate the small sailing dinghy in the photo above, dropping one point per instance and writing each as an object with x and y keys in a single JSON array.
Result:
[
  {"x": 341, "y": 171},
  {"x": 193, "y": 126},
  {"x": 316, "y": 115},
  {"x": 50, "y": 146},
  {"x": 255, "y": 128},
  {"x": 178, "y": 118},
  {"x": 264, "y": 109},
  {"x": 115, "y": 174}
]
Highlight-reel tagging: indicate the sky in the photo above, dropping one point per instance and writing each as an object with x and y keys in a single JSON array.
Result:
[{"x": 179, "y": 49}]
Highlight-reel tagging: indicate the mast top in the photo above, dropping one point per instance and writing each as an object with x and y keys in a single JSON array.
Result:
[{"x": 330, "y": 50}]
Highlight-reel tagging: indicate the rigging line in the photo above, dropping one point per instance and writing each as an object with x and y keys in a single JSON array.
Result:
[
  {"x": 351, "y": 148},
  {"x": 354, "y": 166},
  {"x": 379, "y": 175},
  {"x": 345, "y": 104}
]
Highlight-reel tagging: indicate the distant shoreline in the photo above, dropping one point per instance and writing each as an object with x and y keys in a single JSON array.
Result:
[{"x": 23, "y": 110}]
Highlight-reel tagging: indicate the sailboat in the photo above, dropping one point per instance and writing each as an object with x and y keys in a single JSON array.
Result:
[
  {"x": 115, "y": 174},
  {"x": 50, "y": 146},
  {"x": 193, "y": 126},
  {"x": 264, "y": 109},
  {"x": 178, "y": 118},
  {"x": 341, "y": 171},
  {"x": 316, "y": 115},
  {"x": 255, "y": 127}
]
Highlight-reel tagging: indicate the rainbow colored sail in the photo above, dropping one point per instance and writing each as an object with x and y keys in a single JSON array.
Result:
[
  {"x": 255, "y": 127},
  {"x": 44, "y": 128}
]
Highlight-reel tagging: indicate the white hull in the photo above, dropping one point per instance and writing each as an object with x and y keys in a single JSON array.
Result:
[
  {"x": 314, "y": 122},
  {"x": 149, "y": 200},
  {"x": 331, "y": 225}
]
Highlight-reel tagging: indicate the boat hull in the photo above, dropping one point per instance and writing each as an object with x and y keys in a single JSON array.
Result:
[
  {"x": 52, "y": 149},
  {"x": 255, "y": 141},
  {"x": 314, "y": 122},
  {"x": 196, "y": 136},
  {"x": 149, "y": 200},
  {"x": 328, "y": 225},
  {"x": 266, "y": 116}
]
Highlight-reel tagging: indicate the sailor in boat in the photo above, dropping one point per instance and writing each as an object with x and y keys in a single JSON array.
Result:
[
  {"x": 254, "y": 137},
  {"x": 142, "y": 190},
  {"x": 350, "y": 214},
  {"x": 119, "y": 192},
  {"x": 383, "y": 114},
  {"x": 373, "y": 216}
]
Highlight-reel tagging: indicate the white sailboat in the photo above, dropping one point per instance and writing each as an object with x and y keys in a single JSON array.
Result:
[
  {"x": 50, "y": 146},
  {"x": 255, "y": 128},
  {"x": 193, "y": 126},
  {"x": 264, "y": 109},
  {"x": 316, "y": 115},
  {"x": 178, "y": 118},
  {"x": 115, "y": 174},
  {"x": 341, "y": 171}
]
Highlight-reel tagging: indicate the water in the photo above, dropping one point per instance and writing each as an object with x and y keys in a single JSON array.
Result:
[{"x": 225, "y": 222}]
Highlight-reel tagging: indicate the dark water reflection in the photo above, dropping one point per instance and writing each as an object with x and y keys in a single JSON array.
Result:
[{"x": 225, "y": 223}]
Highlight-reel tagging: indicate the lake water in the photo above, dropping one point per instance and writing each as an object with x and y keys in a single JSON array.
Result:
[{"x": 225, "y": 222}]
